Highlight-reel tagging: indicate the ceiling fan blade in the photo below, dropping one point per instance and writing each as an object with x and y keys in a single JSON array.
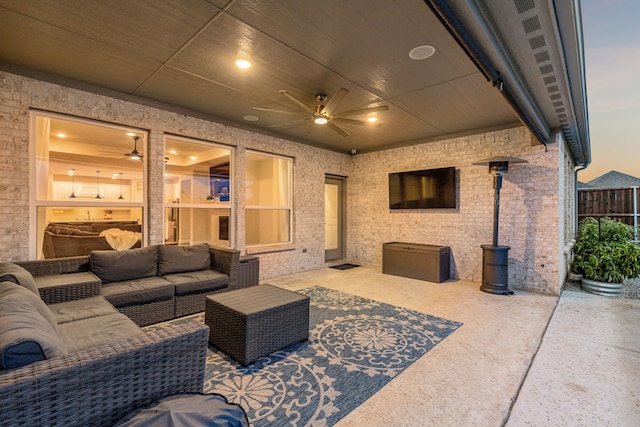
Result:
[
  {"x": 362, "y": 111},
  {"x": 289, "y": 125},
  {"x": 117, "y": 153},
  {"x": 298, "y": 102},
  {"x": 269, "y": 110},
  {"x": 309, "y": 128},
  {"x": 349, "y": 121},
  {"x": 335, "y": 100},
  {"x": 342, "y": 131}
]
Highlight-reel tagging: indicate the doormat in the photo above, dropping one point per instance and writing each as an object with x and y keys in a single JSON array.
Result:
[{"x": 344, "y": 266}]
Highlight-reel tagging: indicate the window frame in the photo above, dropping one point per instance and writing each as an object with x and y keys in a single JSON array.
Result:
[
  {"x": 214, "y": 205},
  {"x": 288, "y": 207},
  {"x": 36, "y": 203}
]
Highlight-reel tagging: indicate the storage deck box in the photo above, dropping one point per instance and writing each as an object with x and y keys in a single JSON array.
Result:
[{"x": 416, "y": 261}]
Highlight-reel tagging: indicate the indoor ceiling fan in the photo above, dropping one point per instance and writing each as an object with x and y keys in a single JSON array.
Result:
[
  {"x": 322, "y": 113},
  {"x": 134, "y": 154}
]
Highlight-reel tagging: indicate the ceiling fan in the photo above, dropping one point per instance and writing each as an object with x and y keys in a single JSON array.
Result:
[
  {"x": 134, "y": 154},
  {"x": 321, "y": 113}
]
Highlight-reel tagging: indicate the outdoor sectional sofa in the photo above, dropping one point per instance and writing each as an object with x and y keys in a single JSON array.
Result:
[
  {"x": 73, "y": 351},
  {"x": 80, "y": 362},
  {"x": 149, "y": 285}
]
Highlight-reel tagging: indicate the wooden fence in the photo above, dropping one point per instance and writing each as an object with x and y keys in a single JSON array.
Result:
[{"x": 618, "y": 204}]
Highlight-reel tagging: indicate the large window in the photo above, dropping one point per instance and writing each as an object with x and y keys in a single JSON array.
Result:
[
  {"x": 89, "y": 186},
  {"x": 268, "y": 199},
  {"x": 197, "y": 192}
]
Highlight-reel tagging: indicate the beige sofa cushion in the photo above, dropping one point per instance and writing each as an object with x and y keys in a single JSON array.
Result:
[
  {"x": 94, "y": 331},
  {"x": 117, "y": 266},
  {"x": 25, "y": 335},
  {"x": 178, "y": 259},
  {"x": 138, "y": 291},
  {"x": 85, "y": 308},
  {"x": 14, "y": 273},
  {"x": 8, "y": 289}
]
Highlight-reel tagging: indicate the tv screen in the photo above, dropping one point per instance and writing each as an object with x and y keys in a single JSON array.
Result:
[{"x": 423, "y": 189}]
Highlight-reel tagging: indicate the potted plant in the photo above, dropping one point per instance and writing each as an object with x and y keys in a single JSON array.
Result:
[{"x": 605, "y": 255}]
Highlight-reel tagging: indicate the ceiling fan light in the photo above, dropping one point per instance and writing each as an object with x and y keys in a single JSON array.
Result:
[
  {"x": 134, "y": 156},
  {"x": 243, "y": 63},
  {"x": 321, "y": 120},
  {"x": 372, "y": 119}
]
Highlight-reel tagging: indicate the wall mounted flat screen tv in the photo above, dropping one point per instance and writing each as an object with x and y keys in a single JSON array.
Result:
[{"x": 423, "y": 189}]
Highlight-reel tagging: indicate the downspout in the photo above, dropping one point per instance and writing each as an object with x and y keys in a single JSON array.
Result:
[
  {"x": 634, "y": 188},
  {"x": 575, "y": 195},
  {"x": 528, "y": 116}
]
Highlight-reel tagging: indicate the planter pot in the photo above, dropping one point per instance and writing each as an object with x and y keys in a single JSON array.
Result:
[
  {"x": 574, "y": 277},
  {"x": 602, "y": 288}
]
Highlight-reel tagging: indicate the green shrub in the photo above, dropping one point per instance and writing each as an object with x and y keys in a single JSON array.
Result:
[{"x": 605, "y": 253}]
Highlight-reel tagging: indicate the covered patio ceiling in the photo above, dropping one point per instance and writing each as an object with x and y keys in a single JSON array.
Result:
[{"x": 495, "y": 64}]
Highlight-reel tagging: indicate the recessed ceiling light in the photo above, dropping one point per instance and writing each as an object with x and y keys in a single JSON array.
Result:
[
  {"x": 193, "y": 158},
  {"x": 243, "y": 63},
  {"x": 372, "y": 119},
  {"x": 251, "y": 118},
  {"x": 71, "y": 172},
  {"x": 422, "y": 52},
  {"x": 174, "y": 152},
  {"x": 131, "y": 134},
  {"x": 61, "y": 135}
]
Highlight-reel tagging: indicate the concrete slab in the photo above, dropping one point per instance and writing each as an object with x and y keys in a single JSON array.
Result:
[
  {"x": 469, "y": 379},
  {"x": 587, "y": 370}
]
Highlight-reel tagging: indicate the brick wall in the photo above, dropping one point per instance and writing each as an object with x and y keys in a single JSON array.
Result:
[
  {"x": 529, "y": 214},
  {"x": 18, "y": 95},
  {"x": 530, "y": 208}
]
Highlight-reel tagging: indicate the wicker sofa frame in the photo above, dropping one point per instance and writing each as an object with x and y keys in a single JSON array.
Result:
[{"x": 99, "y": 386}]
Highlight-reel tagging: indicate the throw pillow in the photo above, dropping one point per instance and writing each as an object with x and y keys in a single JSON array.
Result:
[
  {"x": 13, "y": 290},
  {"x": 14, "y": 273},
  {"x": 178, "y": 259},
  {"x": 25, "y": 336}
]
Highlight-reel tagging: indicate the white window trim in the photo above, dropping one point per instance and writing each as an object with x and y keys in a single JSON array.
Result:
[
  {"x": 35, "y": 203},
  {"x": 255, "y": 248}
]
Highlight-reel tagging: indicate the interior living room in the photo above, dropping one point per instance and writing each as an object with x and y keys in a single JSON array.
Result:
[{"x": 344, "y": 128}]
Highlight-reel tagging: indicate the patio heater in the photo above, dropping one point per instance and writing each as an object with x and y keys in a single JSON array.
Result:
[{"x": 495, "y": 258}]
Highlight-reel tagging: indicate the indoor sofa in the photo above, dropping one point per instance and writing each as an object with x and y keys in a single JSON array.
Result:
[
  {"x": 78, "y": 361},
  {"x": 66, "y": 239},
  {"x": 149, "y": 285}
]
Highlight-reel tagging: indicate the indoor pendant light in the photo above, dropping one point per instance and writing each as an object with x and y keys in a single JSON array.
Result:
[
  {"x": 98, "y": 185},
  {"x": 72, "y": 172},
  {"x": 120, "y": 198}
]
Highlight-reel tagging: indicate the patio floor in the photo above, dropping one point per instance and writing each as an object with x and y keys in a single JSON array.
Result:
[{"x": 575, "y": 366}]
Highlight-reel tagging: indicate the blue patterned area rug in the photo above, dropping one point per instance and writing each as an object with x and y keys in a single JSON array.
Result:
[{"x": 355, "y": 347}]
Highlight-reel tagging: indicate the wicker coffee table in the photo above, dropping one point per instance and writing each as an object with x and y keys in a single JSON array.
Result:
[{"x": 253, "y": 322}]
